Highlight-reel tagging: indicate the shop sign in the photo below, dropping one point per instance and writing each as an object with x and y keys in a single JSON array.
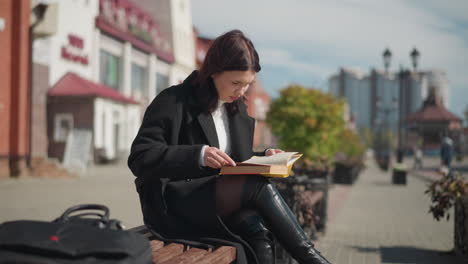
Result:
[
  {"x": 132, "y": 20},
  {"x": 74, "y": 49}
]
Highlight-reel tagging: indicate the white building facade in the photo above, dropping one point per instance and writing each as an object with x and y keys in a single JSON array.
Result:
[
  {"x": 116, "y": 44},
  {"x": 175, "y": 20}
]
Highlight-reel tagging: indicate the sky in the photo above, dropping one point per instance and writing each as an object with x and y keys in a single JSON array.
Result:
[{"x": 306, "y": 41}]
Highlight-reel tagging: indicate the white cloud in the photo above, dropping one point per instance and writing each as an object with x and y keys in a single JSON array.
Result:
[
  {"x": 283, "y": 58},
  {"x": 319, "y": 35}
]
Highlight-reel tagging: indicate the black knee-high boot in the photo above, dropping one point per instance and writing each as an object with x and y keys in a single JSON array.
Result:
[
  {"x": 281, "y": 221},
  {"x": 253, "y": 230}
]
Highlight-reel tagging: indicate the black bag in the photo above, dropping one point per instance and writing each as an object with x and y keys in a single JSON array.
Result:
[{"x": 84, "y": 237}]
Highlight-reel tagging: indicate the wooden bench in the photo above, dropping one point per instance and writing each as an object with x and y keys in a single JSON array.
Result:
[{"x": 172, "y": 253}]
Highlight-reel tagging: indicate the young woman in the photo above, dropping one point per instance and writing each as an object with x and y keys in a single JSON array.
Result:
[{"x": 191, "y": 130}]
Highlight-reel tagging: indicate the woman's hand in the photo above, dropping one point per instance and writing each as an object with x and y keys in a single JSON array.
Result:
[
  {"x": 270, "y": 152},
  {"x": 215, "y": 158}
]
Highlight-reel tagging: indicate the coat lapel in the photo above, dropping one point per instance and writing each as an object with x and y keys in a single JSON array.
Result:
[{"x": 207, "y": 124}]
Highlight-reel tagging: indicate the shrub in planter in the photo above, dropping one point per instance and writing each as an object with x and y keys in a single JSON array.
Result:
[
  {"x": 445, "y": 193},
  {"x": 349, "y": 159},
  {"x": 308, "y": 121}
]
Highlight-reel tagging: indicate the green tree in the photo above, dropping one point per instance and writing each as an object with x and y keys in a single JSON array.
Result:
[
  {"x": 351, "y": 149},
  {"x": 308, "y": 121}
]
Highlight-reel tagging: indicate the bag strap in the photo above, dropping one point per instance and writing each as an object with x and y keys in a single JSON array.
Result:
[{"x": 104, "y": 215}]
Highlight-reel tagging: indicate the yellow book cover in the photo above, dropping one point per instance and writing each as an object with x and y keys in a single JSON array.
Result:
[{"x": 277, "y": 165}]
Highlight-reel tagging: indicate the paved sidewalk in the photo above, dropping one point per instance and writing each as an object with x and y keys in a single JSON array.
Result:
[
  {"x": 384, "y": 223},
  {"x": 371, "y": 221},
  {"x": 46, "y": 199}
]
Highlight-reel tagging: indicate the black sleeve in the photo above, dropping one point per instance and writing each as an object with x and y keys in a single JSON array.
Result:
[
  {"x": 152, "y": 155},
  {"x": 261, "y": 153}
]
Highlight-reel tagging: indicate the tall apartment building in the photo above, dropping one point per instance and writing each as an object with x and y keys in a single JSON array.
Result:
[
  {"x": 380, "y": 99},
  {"x": 355, "y": 87}
]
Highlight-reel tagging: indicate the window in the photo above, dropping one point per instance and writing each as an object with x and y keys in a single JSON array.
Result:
[
  {"x": 162, "y": 82},
  {"x": 63, "y": 126},
  {"x": 109, "y": 69},
  {"x": 138, "y": 81}
]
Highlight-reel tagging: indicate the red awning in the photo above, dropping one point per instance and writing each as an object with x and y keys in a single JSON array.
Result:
[{"x": 73, "y": 85}]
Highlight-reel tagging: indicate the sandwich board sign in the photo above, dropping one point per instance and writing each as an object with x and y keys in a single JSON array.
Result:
[{"x": 78, "y": 149}]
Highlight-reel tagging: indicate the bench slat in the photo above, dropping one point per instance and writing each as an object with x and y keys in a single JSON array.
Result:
[
  {"x": 222, "y": 255},
  {"x": 174, "y": 253},
  {"x": 167, "y": 252},
  {"x": 189, "y": 256},
  {"x": 156, "y": 244}
]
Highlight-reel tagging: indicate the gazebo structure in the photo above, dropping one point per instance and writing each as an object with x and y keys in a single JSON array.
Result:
[{"x": 432, "y": 122}]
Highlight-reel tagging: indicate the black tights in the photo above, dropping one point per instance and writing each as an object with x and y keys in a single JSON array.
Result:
[
  {"x": 229, "y": 192},
  {"x": 233, "y": 193}
]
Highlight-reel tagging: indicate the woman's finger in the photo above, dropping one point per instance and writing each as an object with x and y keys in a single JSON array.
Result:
[
  {"x": 226, "y": 158},
  {"x": 213, "y": 163},
  {"x": 218, "y": 158}
]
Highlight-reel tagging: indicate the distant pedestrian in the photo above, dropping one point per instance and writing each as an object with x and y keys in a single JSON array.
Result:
[
  {"x": 418, "y": 158},
  {"x": 446, "y": 152}
]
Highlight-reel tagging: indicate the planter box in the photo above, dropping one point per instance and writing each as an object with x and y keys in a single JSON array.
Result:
[
  {"x": 399, "y": 176},
  {"x": 345, "y": 174},
  {"x": 461, "y": 227}
]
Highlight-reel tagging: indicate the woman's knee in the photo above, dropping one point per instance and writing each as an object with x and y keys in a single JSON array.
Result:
[
  {"x": 253, "y": 185},
  {"x": 235, "y": 192},
  {"x": 228, "y": 194}
]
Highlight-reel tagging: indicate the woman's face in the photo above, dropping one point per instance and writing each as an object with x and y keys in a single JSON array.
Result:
[{"x": 231, "y": 85}]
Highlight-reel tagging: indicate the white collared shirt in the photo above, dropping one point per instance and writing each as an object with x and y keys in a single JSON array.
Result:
[{"x": 221, "y": 123}]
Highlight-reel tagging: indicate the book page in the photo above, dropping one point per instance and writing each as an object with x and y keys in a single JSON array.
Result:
[
  {"x": 293, "y": 159},
  {"x": 282, "y": 158}
]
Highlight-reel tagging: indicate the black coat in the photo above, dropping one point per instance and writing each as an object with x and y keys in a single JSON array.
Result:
[{"x": 165, "y": 158}]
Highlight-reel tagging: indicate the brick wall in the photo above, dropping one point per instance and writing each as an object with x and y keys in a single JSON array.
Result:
[{"x": 14, "y": 90}]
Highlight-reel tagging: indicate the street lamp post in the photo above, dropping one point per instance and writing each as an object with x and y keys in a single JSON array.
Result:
[
  {"x": 383, "y": 142},
  {"x": 404, "y": 85},
  {"x": 387, "y": 57},
  {"x": 415, "y": 58}
]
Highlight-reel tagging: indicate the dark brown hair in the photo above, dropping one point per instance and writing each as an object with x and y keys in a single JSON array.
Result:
[{"x": 232, "y": 51}]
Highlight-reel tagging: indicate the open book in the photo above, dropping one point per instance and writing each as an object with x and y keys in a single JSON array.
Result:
[{"x": 277, "y": 165}]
